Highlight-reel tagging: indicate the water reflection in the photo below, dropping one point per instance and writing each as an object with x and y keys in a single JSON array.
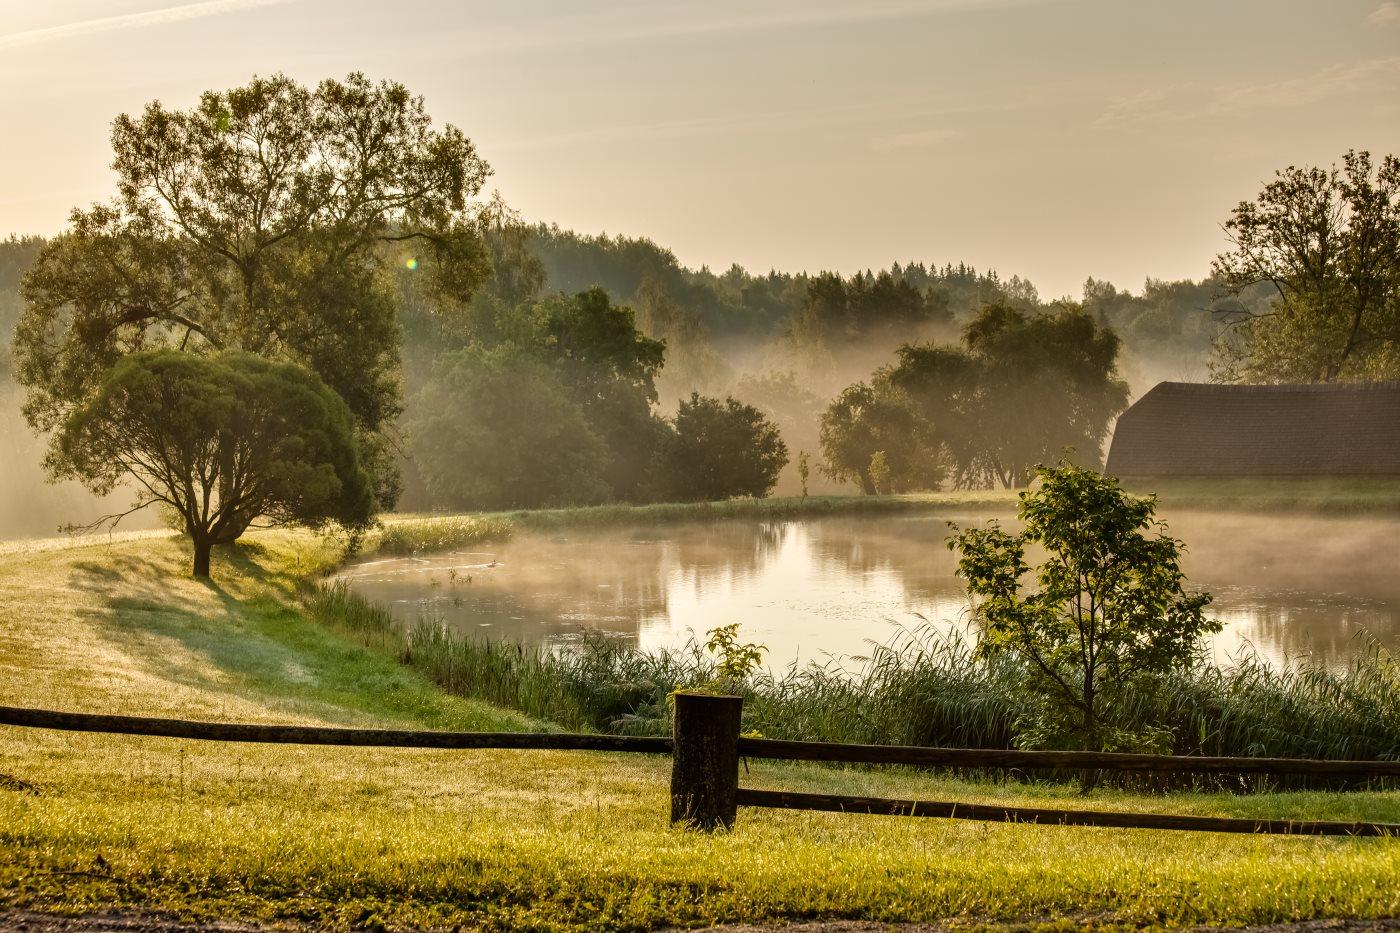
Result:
[{"x": 1290, "y": 589}]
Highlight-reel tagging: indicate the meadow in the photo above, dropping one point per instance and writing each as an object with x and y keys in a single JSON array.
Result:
[{"x": 509, "y": 840}]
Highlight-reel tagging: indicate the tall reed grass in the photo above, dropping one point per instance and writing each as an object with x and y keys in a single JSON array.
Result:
[
  {"x": 437, "y": 533},
  {"x": 921, "y": 688}
]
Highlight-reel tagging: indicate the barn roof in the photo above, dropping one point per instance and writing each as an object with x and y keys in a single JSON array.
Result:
[{"x": 1191, "y": 429}]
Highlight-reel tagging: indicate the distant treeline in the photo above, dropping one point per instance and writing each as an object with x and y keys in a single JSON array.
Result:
[
  {"x": 786, "y": 344},
  {"x": 1167, "y": 325}
]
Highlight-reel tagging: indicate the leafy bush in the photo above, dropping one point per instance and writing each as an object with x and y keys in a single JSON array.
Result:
[{"x": 1108, "y": 609}]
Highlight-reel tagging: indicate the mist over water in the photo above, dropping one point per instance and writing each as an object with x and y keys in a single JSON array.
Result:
[{"x": 1296, "y": 589}]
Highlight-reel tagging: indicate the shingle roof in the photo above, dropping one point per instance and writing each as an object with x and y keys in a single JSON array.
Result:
[{"x": 1190, "y": 429}]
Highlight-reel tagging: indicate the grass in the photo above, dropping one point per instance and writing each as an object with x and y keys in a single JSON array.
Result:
[
  {"x": 1360, "y": 495},
  {"x": 516, "y": 840},
  {"x": 922, "y": 688}
]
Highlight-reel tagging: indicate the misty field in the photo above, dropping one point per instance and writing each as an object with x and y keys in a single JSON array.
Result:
[{"x": 514, "y": 839}]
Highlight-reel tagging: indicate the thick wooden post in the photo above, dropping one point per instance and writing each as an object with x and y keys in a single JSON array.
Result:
[{"x": 705, "y": 769}]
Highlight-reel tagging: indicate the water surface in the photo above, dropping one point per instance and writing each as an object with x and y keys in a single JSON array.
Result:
[{"x": 812, "y": 590}]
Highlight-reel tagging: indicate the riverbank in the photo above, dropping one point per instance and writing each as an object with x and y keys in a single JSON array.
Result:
[{"x": 507, "y": 840}]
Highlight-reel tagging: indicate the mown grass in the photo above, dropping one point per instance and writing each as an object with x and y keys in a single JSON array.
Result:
[{"x": 517, "y": 840}]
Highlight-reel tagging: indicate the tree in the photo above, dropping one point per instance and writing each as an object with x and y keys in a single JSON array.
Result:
[
  {"x": 1107, "y": 612},
  {"x": 1327, "y": 242},
  {"x": 865, "y": 419},
  {"x": 723, "y": 449},
  {"x": 1048, "y": 383},
  {"x": 496, "y": 430},
  {"x": 260, "y": 220},
  {"x": 609, "y": 369},
  {"x": 804, "y": 470},
  {"x": 1023, "y": 389},
  {"x": 223, "y": 440}
]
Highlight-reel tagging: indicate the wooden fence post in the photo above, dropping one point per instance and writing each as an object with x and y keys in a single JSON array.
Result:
[{"x": 705, "y": 766}]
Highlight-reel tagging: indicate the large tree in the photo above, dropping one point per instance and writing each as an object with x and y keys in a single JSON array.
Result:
[
  {"x": 1023, "y": 388},
  {"x": 259, "y": 220},
  {"x": 220, "y": 439},
  {"x": 609, "y": 369},
  {"x": 1327, "y": 242},
  {"x": 1049, "y": 387}
]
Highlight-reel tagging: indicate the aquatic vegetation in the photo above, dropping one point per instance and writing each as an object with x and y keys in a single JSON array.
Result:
[
  {"x": 921, "y": 687},
  {"x": 437, "y": 533}
]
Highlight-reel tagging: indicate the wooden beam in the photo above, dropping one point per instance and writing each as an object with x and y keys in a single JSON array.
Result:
[
  {"x": 1006, "y": 758},
  {"x": 968, "y": 811},
  {"x": 324, "y": 735}
]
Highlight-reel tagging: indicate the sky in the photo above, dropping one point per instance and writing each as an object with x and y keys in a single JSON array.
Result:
[{"x": 1052, "y": 139}]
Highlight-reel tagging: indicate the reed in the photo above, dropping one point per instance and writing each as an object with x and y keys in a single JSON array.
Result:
[{"x": 923, "y": 687}]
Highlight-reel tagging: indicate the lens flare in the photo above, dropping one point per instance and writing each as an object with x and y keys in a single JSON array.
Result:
[{"x": 411, "y": 264}]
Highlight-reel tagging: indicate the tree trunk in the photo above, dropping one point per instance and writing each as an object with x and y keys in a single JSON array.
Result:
[{"x": 202, "y": 548}]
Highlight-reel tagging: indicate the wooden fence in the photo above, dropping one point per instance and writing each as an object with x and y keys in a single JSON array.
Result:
[{"x": 706, "y": 748}]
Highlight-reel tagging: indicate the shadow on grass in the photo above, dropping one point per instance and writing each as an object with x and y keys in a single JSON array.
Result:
[{"x": 243, "y": 633}]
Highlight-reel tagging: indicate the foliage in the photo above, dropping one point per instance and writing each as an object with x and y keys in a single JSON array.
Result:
[
  {"x": 865, "y": 419},
  {"x": 497, "y": 430},
  {"x": 804, "y": 470},
  {"x": 1327, "y": 242},
  {"x": 1024, "y": 389},
  {"x": 721, "y": 450},
  {"x": 608, "y": 369},
  {"x": 735, "y": 661},
  {"x": 879, "y": 472},
  {"x": 222, "y": 440},
  {"x": 836, "y": 311},
  {"x": 1109, "y": 609},
  {"x": 259, "y": 220}
]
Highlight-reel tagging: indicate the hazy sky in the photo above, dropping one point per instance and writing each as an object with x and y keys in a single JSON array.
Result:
[{"x": 1056, "y": 139}]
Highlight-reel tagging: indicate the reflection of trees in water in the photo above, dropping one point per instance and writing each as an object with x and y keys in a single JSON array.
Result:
[
  {"x": 1293, "y": 587},
  {"x": 914, "y": 548},
  {"x": 544, "y": 587},
  {"x": 1295, "y": 629}
]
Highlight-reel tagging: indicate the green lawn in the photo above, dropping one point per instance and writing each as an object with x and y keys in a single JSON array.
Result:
[{"x": 547, "y": 840}]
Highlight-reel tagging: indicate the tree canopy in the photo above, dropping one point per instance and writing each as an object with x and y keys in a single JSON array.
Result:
[
  {"x": 223, "y": 440},
  {"x": 1327, "y": 243},
  {"x": 723, "y": 449},
  {"x": 258, "y": 220},
  {"x": 1105, "y": 610},
  {"x": 495, "y": 429},
  {"x": 1022, "y": 389}
]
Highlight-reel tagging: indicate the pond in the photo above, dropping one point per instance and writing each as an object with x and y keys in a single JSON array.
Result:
[{"x": 1290, "y": 589}]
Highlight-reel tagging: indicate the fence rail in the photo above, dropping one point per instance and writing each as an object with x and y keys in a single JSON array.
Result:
[
  {"x": 1105, "y": 761},
  {"x": 841, "y": 803},
  {"x": 706, "y": 748},
  {"x": 326, "y": 735}
]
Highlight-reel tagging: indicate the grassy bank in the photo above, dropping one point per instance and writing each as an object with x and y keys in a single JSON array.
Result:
[
  {"x": 920, "y": 689},
  {"x": 1361, "y": 495},
  {"x": 537, "y": 840}
]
